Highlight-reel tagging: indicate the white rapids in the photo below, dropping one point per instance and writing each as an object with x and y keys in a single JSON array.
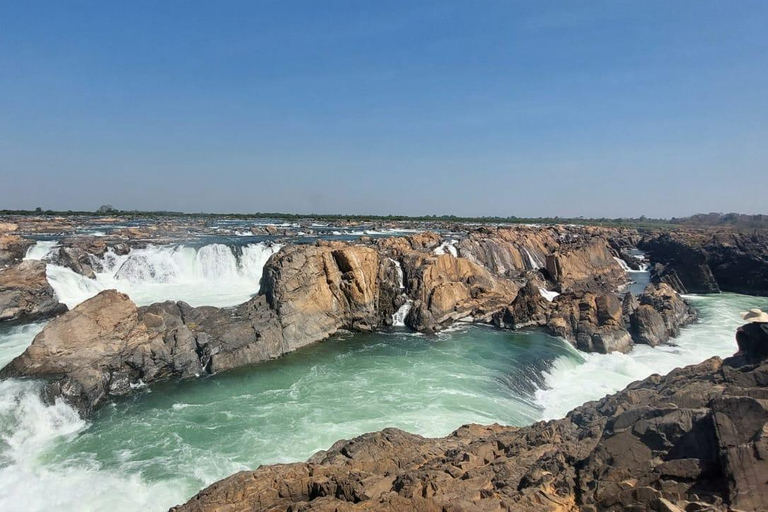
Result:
[{"x": 213, "y": 275}]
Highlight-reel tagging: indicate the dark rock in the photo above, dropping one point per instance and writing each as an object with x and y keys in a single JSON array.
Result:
[
  {"x": 753, "y": 341},
  {"x": 707, "y": 262},
  {"x": 529, "y": 308}
]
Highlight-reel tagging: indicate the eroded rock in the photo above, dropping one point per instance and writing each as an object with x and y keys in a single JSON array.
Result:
[{"x": 26, "y": 295}]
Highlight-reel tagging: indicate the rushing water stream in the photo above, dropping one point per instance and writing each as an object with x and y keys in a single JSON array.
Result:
[{"x": 161, "y": 445}]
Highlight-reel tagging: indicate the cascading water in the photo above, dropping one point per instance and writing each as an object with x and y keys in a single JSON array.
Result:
[
  {"x": 398, "y": 318},
  {"x": 447, "y": 247},
  {"x": 534, "y": 261},
  {"x": 40, "y": 250},
  {"x": 162, "y": 445},
  {"x": 212, "y": 275}
]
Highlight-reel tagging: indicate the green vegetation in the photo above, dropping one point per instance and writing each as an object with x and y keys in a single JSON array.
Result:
[{"x": 699, "y": 220}]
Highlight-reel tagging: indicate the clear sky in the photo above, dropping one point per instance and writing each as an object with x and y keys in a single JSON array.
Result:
[{"x": 526, "y": 108}]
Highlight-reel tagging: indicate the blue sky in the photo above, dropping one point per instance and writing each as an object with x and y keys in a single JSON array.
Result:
[{"x": 594, "y": 108}]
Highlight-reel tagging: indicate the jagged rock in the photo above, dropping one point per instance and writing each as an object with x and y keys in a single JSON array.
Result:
[
  {"x": 26, "y": 295},
  {"x": 509, "y": 251},
  {"x": 592, "y": 322},
  {"x": 707, "y": 262},
  {"x": 446, "y": 288},
  {"x": 692, "y": 440},
  {"x": 529, "y": 308},
  {"x": 13, "y": 248},
  {"x": 660, "y": 315},
  {"x": 81, "y": 254},
  {"x": 586, "y": 266},
  {"x": 316, "y": 290},
  {"x": 629, "y": 305}
]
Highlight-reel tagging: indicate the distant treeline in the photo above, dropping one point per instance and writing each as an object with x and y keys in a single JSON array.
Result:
[{"x": 736, "y": 220}]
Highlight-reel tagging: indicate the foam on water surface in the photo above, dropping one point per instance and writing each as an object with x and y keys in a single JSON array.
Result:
[
  {"x": 161, "y": 445},
  {"x": 213, "y": 275}
]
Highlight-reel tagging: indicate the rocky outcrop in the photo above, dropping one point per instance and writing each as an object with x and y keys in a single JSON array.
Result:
[
  {"x": 446, "y": 288},
  {"x": 573, "y": 258},
  {"x": 601, "y": 322},
  {"x": 585, "y": 266},
  {"x": 692, "y": 440},
  {"x": 309, "y": 292},
  {"x": 84, "y": 255},
  {"x": 106, "y": 346},
  {"x": 593, "y": 323},
  {"x": 316, "y": 290},
  {"x": 13, "y": 248},
  {"x": 659, "y": 315},
  {"x": 528, "y": 309},
  {"x": 26, "y": 295},
  {"x": 708, "y": 262}
]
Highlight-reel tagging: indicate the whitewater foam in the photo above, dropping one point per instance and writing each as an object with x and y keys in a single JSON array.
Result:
[
  {"x": 579, "y": 377},
  {"x": 40, "y": 250},
  {"x": 213, "y": 275}
]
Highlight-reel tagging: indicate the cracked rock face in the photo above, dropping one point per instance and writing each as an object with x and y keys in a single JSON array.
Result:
[
  {"x": 701, "y": 261},
  {"x": 26, "y": 295},
  {"x": 692, "y": 440}
]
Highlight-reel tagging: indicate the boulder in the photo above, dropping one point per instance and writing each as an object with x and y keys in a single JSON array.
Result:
[
  {"x": 592, "y": 322},
  {"x": 13, "y": 248},
  {"x": 529, "y": 308},
  {"x": 81, "y": 254},
  {"x": 660, "y": 315},
  {"x": 587, "y": 265},
  {"x": 26, "y": 295}
]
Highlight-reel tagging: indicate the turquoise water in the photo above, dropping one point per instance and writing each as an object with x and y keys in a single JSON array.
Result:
[{"x": 161, "y": 445}]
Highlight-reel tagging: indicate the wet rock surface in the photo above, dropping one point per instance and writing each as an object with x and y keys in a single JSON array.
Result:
[{"x": 692, "y": 440}]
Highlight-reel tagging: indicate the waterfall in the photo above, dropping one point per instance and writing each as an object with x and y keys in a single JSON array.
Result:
[
  {"x": 534, "y": 261},
  {"x": 398, "y": 319},
  {"x": 623, "y": 264},
  {"x": 213, "y": 275},
  {"x": 447, "y": 247},
  {"x": 40, "y": 250}
]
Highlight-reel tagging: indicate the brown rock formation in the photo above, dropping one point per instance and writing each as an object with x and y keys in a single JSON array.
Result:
[
  {"x": 601, "y": 322},
  {"x": 693, "y": 440},
  {"x": 585, "y": 266},
  {"x": 446, "y": 288},
  {"x": 660, "y": 315},
  {"x": 13, "y": 248},
  {"x": 309, "y": 292},
  {"x": 26, "y": 295}
]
